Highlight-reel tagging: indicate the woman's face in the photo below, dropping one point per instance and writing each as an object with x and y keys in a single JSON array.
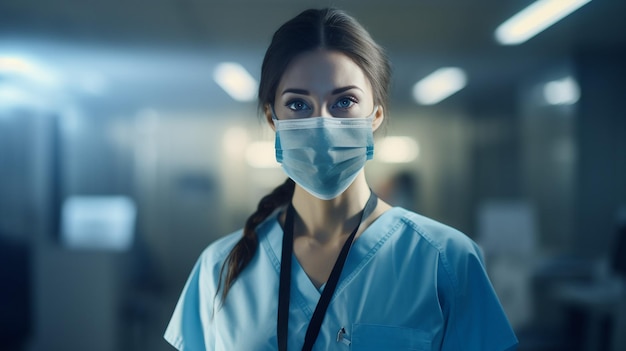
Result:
[{"x": 324, "y": 83}]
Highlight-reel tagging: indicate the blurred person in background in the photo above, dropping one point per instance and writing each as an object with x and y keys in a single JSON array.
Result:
[
  {"x": 401, "y": 189},
  {"x": 323, "y": 264}
]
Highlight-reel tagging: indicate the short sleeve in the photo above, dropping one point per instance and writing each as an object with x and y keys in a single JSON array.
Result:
[
  {"x": 474, "y": 318},
  {"x": 190, "y": 327}
]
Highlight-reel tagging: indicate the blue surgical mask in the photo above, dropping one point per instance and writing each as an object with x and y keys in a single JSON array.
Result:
[{"x": 324, "y": 155}]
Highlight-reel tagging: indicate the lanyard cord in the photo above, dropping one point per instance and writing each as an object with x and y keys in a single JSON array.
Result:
[{"x": 285, "y": 280}]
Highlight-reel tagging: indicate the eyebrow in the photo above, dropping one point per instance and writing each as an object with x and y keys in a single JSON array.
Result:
[
  {"x": 344, "y": 89},
  {"x": 295, "y": 91},
  {"x": 334, "y": 92}
]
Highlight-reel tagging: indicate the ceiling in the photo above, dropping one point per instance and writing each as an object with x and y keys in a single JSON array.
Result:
[{"x": 170, "y": 37}]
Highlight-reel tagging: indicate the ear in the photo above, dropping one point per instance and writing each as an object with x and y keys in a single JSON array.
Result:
[
  {"x": 267, "y": 110},
  {"x": 379, "y": 117}
]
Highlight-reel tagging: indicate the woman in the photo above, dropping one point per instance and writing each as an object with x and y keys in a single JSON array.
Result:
[{"x": 322, "y": 264}]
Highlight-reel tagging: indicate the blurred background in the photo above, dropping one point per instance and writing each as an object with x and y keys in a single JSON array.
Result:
[{"x": 130, "y": 140}]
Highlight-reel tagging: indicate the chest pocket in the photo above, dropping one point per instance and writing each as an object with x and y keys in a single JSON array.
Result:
[{"x": 371, "y": 337}]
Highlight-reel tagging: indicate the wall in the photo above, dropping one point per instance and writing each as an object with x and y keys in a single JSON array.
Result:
[{"x": 601, "y": 141}]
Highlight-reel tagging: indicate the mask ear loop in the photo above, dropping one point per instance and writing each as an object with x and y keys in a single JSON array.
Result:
[
  {"x": 373, "y": 115},
  {"x": 273, "y": 113}
]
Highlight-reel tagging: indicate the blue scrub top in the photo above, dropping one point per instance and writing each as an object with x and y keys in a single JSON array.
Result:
[{"x": 409, "y": 283}]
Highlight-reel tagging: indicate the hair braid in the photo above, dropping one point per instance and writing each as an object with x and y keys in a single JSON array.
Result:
[{"x": 243, "y": 252}]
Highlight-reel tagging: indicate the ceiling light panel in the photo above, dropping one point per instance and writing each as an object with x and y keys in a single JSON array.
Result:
[
  {"x": 534, "y": 19},
  {"x": 439, "y": 85}
]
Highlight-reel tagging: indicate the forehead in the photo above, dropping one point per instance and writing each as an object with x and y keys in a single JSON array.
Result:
[{"x": 322, "y": 70}]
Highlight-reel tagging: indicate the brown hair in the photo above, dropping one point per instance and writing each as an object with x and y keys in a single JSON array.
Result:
[{"x": 329, "y": 29}]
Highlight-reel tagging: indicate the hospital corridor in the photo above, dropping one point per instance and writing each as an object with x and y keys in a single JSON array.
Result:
[{"x": 131, "y": 139}]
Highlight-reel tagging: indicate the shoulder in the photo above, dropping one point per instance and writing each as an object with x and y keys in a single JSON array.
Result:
[
  {"x": 457, "y": 253},
  {"x": 443, "y": 238},
  {"x": 215, "y": 254},
  {"x": 219, "y": 249},
  {"x": 474, "y": 317}
]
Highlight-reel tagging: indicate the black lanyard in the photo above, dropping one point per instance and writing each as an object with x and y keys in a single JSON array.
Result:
[{"x": 285, "y": 280}]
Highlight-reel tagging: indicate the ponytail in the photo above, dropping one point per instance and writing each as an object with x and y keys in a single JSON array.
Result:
[{"x": 243, "y": 252}]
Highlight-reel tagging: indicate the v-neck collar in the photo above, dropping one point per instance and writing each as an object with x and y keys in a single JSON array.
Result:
[{"x": 304, "y": 293}]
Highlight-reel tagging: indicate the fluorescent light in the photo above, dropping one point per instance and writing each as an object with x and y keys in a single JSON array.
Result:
[
  {"x": 261, "y": 154},
  {"x": 439, "y": 85},
  {"x": 534, "y": 19},
  {"x": 562, "y": 92},
  {"x": 23, "y": 67},
  {"x": 235, "y": 81},
  {"x": 14, "y": 64},
  {"x": 396, "y": 149},
  {"x": 234, "y": 142}
]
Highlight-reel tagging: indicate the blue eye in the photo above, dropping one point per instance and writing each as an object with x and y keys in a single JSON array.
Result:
[
  {"x": 345, "y": 103},
  {"x": 297, "y": 105}
]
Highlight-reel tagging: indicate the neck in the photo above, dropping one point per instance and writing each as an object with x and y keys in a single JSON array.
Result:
[{"x": 325, "y": 220}]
